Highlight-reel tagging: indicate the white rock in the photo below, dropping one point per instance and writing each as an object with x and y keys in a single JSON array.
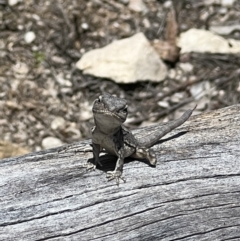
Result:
[
  {"x": 146, "y": 23},
  {"x": 163, "y": 104},
  {"x": 137, "y": 6},
  {"x": 199, "y": 90},
  {"x": 62, "y": 81},
  {"x": 125, "y": 61},
  {"x": 58, "y": 123},
  {"x": 227, "y": 3},
  {"x": 51, "y": 142},
  {"x": 224, "y": 30},
  {"x": 199, "y": 40},
  {"x": 177, "y": 97},
  {"x": 12, "y": 2},
  {"x": 58, "y": 59},
  {"x": 167, "y": 4},
  {"x": 29, "y": 37},
  {"x": 186, "y": 67},
  {"x": 211, "y": 2},
  {"x": 84, "y": 26}
]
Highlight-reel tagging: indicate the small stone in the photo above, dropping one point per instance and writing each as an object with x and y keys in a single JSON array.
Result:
[
  {"x": 221, "y": 93},
  {"x": 29, "y": 37},
  {"x": 146, "y": 23},
  {"x": 198, "y": 90},
  {"x": 137, "y": 6},
  {"x": 62, "y": 81},
  {"x": 36, "y": 17},
  {"x": 116, "y": 25},
  {"x": 186, "y": 67},
  {"x": 200, "y": 40},
  {"x": 172, "y": 73},
  {"x": 20, "y": 27},
  {"x": 163, "y": 104},
  {"x": 58, "y": 123},
  {"x": 224, "y": 30},
  {"x": 227, "y": 3},
  {"x": 177, "y": 97},
  {"x": 12, "y": 2},
  {"x": 51, "y": 142},
  {"x": 84, "y": 26},
  {"x": 58, "y": 59},
  {"x": 167, "y": 4}
]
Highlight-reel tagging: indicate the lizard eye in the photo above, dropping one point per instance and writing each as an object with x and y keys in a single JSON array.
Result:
[{"x": 99, "y": 99}]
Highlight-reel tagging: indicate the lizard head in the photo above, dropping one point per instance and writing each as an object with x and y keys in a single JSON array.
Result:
[{"x": 110, "y": 110}]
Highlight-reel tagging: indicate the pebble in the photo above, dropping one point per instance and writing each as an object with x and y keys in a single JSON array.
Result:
[
  {"x": 227, "y": 3},
  {"x": 137, "y": 6},
  {"x": 198, "y": 90},
  {"x": 167, "y": 4},
  {"x": 177, "y": 97},
  {"x": 58, "y": 123},
  {"x": 29, "y": 37},
  {"x": 51, "y": 142},
  {"x": 84, "y": 26},
  {"x": 62, "y": 81},
  {"x": 163, "y": 104},
  {"x": 186, "y": 67},
  {"x": 12, "y": 2}
]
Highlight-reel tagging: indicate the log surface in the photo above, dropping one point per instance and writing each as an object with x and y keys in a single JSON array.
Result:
[{"x": 192, "y": 194}]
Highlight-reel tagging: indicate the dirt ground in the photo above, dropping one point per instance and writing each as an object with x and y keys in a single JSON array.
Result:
[{"x": 39, "y": 84}]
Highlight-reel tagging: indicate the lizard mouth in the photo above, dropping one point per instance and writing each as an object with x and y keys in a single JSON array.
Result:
[
  {"x": 110, "y": 114},
  {"x": 110, "y": 109}
]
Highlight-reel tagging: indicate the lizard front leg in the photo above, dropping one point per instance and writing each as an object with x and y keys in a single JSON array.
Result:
[
  {"x": 96, "y": 152},
  {"x": 117, "y": 173}
]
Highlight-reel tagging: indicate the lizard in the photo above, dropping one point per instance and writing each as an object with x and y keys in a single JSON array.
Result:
[{"x": 109, "y": 134}]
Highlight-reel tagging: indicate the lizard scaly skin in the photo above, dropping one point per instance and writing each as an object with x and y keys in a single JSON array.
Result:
[{"x": 110, "y": 113}]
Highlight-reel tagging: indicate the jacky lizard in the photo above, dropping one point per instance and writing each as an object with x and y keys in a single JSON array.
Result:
[{"x": 110, "y": 113}]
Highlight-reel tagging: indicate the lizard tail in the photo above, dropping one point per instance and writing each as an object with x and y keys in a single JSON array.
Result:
[{"x": 160, "y": 131}]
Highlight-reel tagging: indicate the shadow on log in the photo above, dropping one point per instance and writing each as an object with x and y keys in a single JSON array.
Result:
[{"x": 192, "y": 194}]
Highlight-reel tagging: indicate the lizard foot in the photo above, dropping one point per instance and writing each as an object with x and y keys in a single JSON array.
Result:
[{"x": 117, "y": 175}]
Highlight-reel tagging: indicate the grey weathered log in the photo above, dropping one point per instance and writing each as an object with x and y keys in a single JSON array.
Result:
[{"x": 192, "y": 194}]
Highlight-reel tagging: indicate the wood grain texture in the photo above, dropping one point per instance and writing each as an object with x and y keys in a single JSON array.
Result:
[{"x": 192, "y": 194}]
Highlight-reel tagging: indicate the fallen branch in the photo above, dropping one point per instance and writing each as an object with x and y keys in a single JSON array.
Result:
[{"x": 192, "y": 194}]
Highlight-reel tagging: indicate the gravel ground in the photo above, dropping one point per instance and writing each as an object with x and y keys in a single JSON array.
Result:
[{"x": 43, "y": 95}]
